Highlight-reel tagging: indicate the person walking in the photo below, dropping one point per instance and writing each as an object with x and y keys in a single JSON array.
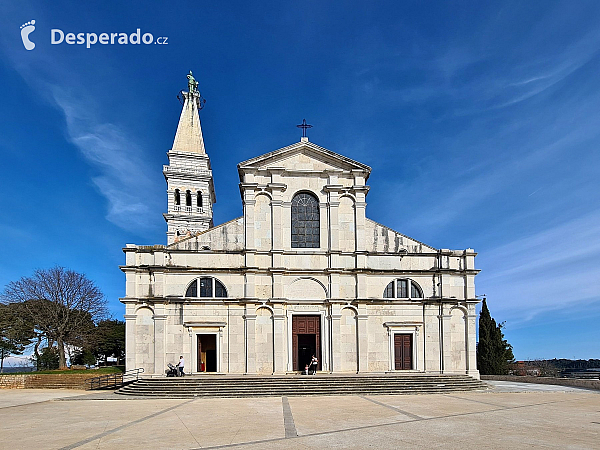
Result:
[{"x": 180, "y": 365}]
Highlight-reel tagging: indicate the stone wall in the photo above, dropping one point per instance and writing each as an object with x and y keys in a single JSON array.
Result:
[
  {"x": 573, "y": 382},
  {"x": 46, "y": 381}
]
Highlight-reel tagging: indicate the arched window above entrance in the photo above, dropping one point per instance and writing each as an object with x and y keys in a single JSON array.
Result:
[
  {"x": 306, "y": 228},
  {"x": 403, "y": 288},
  {"x": 209, "y": 287}
]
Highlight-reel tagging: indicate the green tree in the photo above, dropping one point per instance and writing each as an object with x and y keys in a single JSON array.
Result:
[
  {"x": 494, "y": 353},
  {"x": 48, "y": 359},
  {"x": 83, "y": 356},
  {"x": 16, "y": 332},
  {"x": 61, "y": 303},
  {"x": 108, "y": 340}
]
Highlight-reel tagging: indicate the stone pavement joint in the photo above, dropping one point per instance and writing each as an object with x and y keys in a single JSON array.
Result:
[
  {"x": 532, "y": 419},
  {"x": 381, "y": 425},
  {"x": 473, "y": 400},
  {"x": 288, "y": 419},
  {"x": 127, "y": 425},
  {"x": 401, "y": 411}
]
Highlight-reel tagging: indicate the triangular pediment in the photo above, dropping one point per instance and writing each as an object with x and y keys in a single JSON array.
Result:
[{"x": 303, "y": 156}]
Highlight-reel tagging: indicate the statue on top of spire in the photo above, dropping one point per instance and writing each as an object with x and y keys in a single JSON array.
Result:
[{"x": 192, "y": 84}]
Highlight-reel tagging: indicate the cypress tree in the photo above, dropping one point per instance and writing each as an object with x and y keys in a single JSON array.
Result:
[{"x": 494, "y": 353}]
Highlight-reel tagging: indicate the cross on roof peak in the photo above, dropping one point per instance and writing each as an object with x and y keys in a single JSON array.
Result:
[{"x": 304, "y": 127}]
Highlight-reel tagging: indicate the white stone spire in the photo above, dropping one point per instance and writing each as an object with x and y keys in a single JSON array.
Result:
[
  {"x": 190, "y": 186},
  {"x": 189, "y": 131}
]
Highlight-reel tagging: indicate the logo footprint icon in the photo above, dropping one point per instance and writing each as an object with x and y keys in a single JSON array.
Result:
[{"x": 26, "y": 30}]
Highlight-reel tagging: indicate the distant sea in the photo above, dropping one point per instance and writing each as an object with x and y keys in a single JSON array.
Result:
[{"x": 18, "y": 369}]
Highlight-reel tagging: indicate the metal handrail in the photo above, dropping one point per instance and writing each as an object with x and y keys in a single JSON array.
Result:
[{"x": 113, "y": 380}]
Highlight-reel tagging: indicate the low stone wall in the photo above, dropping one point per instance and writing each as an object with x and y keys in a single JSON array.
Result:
[
  {"x": 573, "y": 382},
  {"x": 12, "y": 381},
  {"x": 46, "y": 381}
]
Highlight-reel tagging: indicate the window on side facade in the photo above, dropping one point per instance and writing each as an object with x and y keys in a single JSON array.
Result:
[
  {"x": 401, "y": 288},
  {"x": 209, "y": 287}
]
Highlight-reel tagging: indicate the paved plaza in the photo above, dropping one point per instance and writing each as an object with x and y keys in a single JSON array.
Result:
[{"x": 510, "y": 415}]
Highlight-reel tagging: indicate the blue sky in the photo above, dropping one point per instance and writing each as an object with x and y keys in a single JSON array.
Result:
[{"x": 480, "y": 121}]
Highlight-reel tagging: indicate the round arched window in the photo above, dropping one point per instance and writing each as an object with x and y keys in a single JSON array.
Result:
[
  {"x": 403, "y": 288},
  {"x": 206, "y": 287},
  {"x": 306, "y": 228}
]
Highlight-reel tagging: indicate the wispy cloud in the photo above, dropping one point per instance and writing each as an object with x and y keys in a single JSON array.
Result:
[
  {"x": 122, "y": 178},
  {"x": 118, "y": 164},
  {"x": 552, "y": 269}
]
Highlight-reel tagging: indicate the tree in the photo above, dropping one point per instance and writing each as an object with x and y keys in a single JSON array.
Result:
[
  {"x": 61, "y": 303},
  {"x": 48, "y": 359},
  {"x": 83, "y": 356},
  {"x": 494, "y": 353},
  {"x": 108, "y": 340},
  {"x": 16, "y": 332}
]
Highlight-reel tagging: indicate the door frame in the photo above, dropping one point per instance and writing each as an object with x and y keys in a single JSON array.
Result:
[
  {"x": 195, "y": 349},
  {"x": 323, "y": 331},
  {"x": 404, "y": 328}
]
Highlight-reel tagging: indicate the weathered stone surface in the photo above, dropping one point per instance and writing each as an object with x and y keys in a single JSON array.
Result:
[{"x": 268, "y": 281}]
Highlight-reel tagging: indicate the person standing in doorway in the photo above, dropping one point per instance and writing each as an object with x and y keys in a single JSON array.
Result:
[
  {"x": 313, "y": 363},
  {"x": 180, "y": 365}
]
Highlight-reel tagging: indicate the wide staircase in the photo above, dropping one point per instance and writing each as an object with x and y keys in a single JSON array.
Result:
[{"x": 296, "y": 385}]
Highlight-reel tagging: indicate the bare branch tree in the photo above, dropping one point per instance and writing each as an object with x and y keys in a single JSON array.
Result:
[{"x": 61, "y": 303}]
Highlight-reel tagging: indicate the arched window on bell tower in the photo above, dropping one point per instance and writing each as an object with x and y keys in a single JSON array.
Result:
[
  {"x": 188, "y": 198},
  {"x": 177, "y": 198},
  {"x": 199, "y": 199}
]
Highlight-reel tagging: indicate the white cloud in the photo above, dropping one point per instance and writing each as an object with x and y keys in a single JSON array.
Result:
[
  {"x": 553, "y": 269},
  {"x": 119, "y": 163},
  {"x": 123, "y": 178}
]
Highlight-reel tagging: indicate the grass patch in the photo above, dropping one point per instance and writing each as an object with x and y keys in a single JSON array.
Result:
[{"x": 67, "y": 372}]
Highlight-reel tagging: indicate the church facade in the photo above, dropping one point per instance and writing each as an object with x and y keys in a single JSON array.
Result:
[{"x": 303, "y": 272}]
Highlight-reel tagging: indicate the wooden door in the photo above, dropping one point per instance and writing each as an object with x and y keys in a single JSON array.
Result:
[
  {"x": 305, "y": 325},
  {"x": 403, "y": 351}
]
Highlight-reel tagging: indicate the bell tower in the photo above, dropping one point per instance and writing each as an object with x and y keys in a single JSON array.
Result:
[{"x": 190, "y": 186}]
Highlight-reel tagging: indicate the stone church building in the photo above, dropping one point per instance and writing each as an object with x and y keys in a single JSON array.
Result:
[{"x": 303, "y": 272}]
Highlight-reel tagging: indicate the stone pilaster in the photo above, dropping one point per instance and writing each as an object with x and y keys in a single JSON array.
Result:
[
  {"x": 324, "y": 236},
  {"x": 279, "y": 341},
  {"x": 360, "y": 211},
  {"x": 130, "y": 341},
  {"x": 363, "y": 339},
  {"x": 471, "y": 323},
  {"x": 160, "y": 322},
  {"x": 446, "y": 344},
  {"x": 336, "y": 351},
  {"x": 250, "y": 328}
]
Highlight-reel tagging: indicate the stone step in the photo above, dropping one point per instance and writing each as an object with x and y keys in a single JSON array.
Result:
[
  {"x": 292, "y": 392},
  {"x": 303, "y": 385},
  {"x": 283, "y": 384},
  {"x": 207, "y": 382},
  {"x": 224, "y": 386}
]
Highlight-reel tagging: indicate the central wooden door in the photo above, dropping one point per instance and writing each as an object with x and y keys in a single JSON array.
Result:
[
  {"x": 306, "y": 340},
  {"x": 403, "y": 351}
]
